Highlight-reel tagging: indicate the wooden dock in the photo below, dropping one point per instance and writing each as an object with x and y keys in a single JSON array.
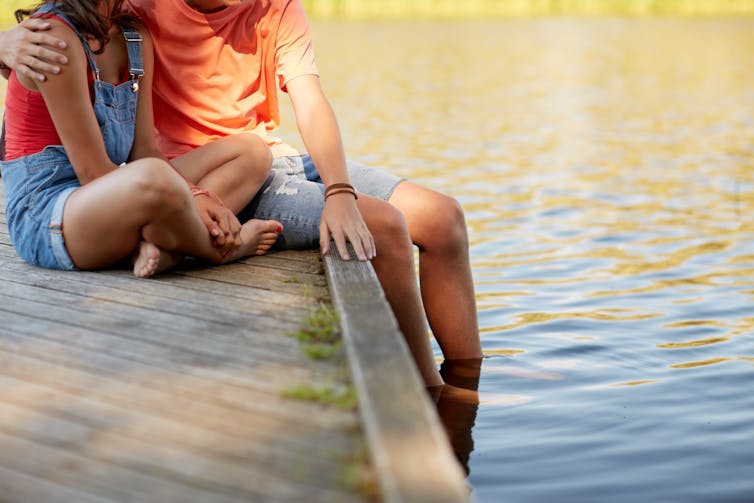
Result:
[{"x": 191, "y": 387}]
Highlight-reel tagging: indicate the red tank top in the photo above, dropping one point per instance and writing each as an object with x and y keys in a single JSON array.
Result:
[{"x": 28, "y": 124}]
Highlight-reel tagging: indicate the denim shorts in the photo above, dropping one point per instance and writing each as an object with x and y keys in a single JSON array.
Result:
[
  {"x": 37, "y": 188},
  {"x": 294, "y": 196}
]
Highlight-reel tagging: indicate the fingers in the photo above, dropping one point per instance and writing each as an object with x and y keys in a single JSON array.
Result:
[
  {"x": 370, "y": 250},
  {"x": 230, "y": 227},
  {"x": 36, "y": 52},
  {"x": 229, "y": 236},
  {"x": 361, "y": 241},
  {"x": 35, "y": 23},
  {"x": 216, "y": 233},
  {"x": 362, "y": 244},
  {"x": 340, "y": 245},
  {"x": 29, "y": 73},
  {"x": 44, "y": 40},
  {"x": 234, "y": 227},
  {"x": 324, "y": 238},
  {"x": 342, "y": 221}
]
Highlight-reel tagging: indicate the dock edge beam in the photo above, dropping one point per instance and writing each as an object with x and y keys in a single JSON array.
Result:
[{"x": 408, "y": 446}]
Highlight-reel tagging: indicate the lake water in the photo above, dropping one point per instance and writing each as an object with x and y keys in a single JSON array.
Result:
[{"x": 606, "y": 167}]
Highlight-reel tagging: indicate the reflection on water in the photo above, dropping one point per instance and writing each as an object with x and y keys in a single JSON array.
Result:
[{"x": 605, "y": 166}]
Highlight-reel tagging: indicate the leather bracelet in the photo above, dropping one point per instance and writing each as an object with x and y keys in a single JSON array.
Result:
[
  {"x": 341, "y": 191},
  {"x": 339, "y": 186}
]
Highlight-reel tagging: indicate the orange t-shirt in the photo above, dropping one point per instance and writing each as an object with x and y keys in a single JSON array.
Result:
[{"x": 217, "y": 74}]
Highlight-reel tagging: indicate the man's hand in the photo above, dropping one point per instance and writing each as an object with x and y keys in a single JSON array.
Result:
[
  {"x": 342, "y": 220},
  {"x": 223, "y": 226},
  {"x": 30, "y": 52}
]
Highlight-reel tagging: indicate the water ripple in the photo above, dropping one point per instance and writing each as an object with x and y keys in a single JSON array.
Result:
[{"x": 605, "y": 167}]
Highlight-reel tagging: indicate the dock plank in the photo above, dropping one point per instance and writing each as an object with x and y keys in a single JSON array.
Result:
[
  {"x": 174, "y": 388},
  {"x": 168, "y": 389},
  {"x": 409, "y": 448}
]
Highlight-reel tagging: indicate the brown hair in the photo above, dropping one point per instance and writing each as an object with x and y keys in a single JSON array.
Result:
[{"x": 85, "y": 16}]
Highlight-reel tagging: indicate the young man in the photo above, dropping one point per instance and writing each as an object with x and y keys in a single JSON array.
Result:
[{"x": 218, "y": 65}]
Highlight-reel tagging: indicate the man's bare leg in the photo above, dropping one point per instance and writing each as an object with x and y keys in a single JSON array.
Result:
[
  {"x": 437, "y": 226},
  {"x": 394, "y": 265}
]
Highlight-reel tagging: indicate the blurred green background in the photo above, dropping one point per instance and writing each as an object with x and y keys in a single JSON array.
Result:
[
  {"x": 381, "y": 9},
  {"x": 411, "y": 9}
]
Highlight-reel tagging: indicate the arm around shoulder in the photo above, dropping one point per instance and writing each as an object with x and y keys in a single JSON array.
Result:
[{"x": 32, "y": 50}]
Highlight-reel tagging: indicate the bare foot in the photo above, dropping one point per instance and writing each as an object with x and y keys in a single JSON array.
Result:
[
  {"x": 148, "y": 260},
  {"x": 257, "y": 237}
]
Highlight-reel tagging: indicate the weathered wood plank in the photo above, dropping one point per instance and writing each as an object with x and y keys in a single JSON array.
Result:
[
  {"x": 191, "y": 359},
  {"x": 252, "y": 474},
  {"x": 75, "y": 422},
  {"x": 170, "y": 389},
  {"x": 222, "y": 390},
  {"x": 105, "y": 480},
  {"x": 409, "y": 448},
  {"x": 180, "y": 304},
  {"x": 17, "y": 486}
]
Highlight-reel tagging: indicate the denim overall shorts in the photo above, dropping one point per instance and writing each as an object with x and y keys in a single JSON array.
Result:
[{"x": 37, "y": 186}]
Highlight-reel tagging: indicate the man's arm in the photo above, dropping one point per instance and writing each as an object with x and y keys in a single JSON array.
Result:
[
  {"x": 30, "y": 51},
  {"x": 318, "y": 127}
]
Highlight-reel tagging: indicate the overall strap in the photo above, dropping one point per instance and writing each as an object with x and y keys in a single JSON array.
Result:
[
  {"x": 135, "y": 64},
  {"x": 49, "y": 8}
]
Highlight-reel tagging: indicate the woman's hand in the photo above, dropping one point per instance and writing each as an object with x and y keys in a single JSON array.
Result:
[
  {"x": 342, "y": 220},
  {"x": 223, "y": 226},
  {"x": 30, "y": 52}
]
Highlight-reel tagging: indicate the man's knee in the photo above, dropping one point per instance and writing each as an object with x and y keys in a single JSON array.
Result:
[
  {"x": 447, "y": 225},
  {"x": 388, "y": 226}
]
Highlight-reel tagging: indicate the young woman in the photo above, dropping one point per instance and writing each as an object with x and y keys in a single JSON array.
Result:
[{"x": 86, "y": 185}]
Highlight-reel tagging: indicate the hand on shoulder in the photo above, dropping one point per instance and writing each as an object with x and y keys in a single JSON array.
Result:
[
  {"x": 32, "y": 50},
  {"x": 73, "y": 53}
]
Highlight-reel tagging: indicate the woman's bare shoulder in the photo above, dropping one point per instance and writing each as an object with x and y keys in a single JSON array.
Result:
[{"x": 73, "y": 51}]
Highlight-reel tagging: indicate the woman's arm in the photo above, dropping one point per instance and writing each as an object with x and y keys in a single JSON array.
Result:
[
  {"x": 30, "y": 50},
  {"x": 68, "y": 101}
]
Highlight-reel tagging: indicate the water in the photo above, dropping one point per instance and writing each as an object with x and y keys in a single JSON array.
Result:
[{"x": 606, "y": 170}]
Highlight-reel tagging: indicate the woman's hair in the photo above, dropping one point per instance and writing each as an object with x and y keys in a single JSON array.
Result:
[{"x": 85, "y": 16}]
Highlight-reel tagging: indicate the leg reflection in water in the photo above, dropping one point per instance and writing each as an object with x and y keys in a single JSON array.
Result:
[{"x": 457, "y": 404}]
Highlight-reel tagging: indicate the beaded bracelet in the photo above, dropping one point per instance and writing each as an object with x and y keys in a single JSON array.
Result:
[{"x": 198, "y": 191}]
